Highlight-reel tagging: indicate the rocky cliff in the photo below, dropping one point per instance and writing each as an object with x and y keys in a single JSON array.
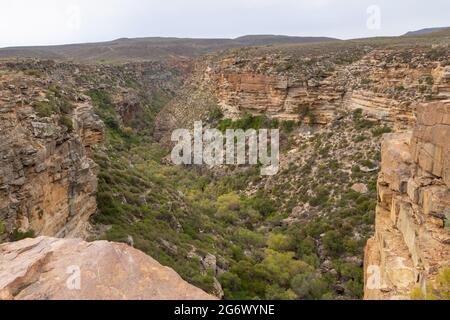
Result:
[
  {"x": 48, "y": 180},
  {"x": 312, "y": 84},
  {"x": 56, "y": 269},
  {"x": 412, "y": 239}
]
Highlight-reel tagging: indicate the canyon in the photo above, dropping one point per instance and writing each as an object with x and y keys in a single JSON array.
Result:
[{"x": 84, "y": 155}]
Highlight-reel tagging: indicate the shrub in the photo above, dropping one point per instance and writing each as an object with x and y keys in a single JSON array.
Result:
[
  {"x": 44, "y": 109},
  {"x": 288, "y": 126},
  {"x": 275, "y": 292},
  {"x": 215, "y": 114},
  {"x": 33, "y": 73},
  {"x": 19, "y": 235},
  {"x": 263, "y": 204},
  {"x": 380, "y": 131},
  {"x": 309, "y": 286},
  {"x": 279, "y": 242},
  {"x": 2, "y": 228},
  {"x": 439, "y": 290},
  {"x": 333, "y": 243},
  {"x": 66, "y": 122}
]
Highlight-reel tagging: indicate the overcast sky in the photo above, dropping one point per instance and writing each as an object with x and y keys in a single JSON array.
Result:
[{"x": 31, "y": 22}]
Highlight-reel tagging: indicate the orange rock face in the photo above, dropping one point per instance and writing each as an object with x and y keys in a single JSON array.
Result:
[
  {"x": 411, "y": 243},
  {"x": 63, "y": 269}
]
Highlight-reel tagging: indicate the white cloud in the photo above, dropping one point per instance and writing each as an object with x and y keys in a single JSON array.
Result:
[{"x": 30, "y": 22}]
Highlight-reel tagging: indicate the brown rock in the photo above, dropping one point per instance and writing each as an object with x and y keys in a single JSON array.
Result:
[
  {"x": 360, "y": 188},
  {"x": 57, "y": 269},
  {"x": 396, "y": 160}
]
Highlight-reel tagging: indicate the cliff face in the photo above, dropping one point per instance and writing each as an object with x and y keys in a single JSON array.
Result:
[
  {"x": 411, "y": 242},
  {"x": 49, "y": 126},
  {"x": 383, "y": 83},
  {"x": 240, "y": 89},
  {"x": 313, "y": 87},
  {"x": 56, "y": 269},
  {"x": 47, "y": 179}
]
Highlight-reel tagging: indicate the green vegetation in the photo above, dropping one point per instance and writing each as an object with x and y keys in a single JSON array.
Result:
[
  {"x": 66, "y": 122},
  {"x": 2, "y": 228},
  {"x": 249, "y": 121},
  {"x": 439, "y": 290},
  {"x": 380, "y": 131},
  {"x": 178, "y": 216},
  {"x": 55, "y": 104},
  {"x": 19, "y": 235},
  {"x": 360, "y": 121},
  {"x": 306, "y": 113}
]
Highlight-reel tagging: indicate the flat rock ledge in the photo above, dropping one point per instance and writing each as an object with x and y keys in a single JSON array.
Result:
[{"x": 71, "y": 269}]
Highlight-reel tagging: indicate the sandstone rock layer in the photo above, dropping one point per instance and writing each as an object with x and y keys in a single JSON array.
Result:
[
  {"x": 63, "y": 269},
  {"x": 411, "y": 243},
  {"x": 48, "y": 180}
]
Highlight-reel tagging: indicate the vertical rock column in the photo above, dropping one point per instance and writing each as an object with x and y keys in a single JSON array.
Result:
[{"x": 411, "y": 242}]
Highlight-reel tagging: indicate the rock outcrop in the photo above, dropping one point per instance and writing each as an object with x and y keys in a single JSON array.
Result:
[
  {"x": 62, "y": 269},
  {"x": 47, "y": 179},
  {"x": 411, "y": 242}
]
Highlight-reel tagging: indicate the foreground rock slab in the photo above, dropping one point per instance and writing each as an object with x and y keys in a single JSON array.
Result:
[{"x": 66, "y": 269}]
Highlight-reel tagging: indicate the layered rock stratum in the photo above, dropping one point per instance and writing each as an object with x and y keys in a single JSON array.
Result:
[
  {"x": 313, "y": 84},
  {"x": 411, "y": 243},
  {"x": 71, "y": 269},
  {"x": 48, "y": 179}
]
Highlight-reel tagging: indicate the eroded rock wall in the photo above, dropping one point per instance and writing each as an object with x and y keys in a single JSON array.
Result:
[
  {"x": 297, "y": 85},
  {"x": 411, "y": 242},
  {"x": 48, "y": 180}
]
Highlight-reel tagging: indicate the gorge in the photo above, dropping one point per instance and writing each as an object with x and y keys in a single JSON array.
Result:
[{"x": 363, "y": 185}]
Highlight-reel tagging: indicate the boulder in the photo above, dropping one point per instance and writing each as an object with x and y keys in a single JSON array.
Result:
[{"x": 62, "y": 269}]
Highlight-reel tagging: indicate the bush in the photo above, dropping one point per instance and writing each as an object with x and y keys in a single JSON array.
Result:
[
  {"x": 2, "y": 228},
  {"x": 19, "y": 235},
  {"x": 309, "y": 286},
  {"x": 263, "y": 204},
  {"x": 215, "y": 114},
  {"x": 279, "y": 242},
  {"x": 275, "y": 292},
  {"x": 249, "y": 121},
  {"x": 380, "y": 131},
  {"x": 66, "y": 122},
  {"x": 288, "y": 126},
  {"x": 44, "y": 109},
  {"x": 333, "y": 243},
  {"x": 439, "y": 290},
  {"x": 360, "y": 122}
]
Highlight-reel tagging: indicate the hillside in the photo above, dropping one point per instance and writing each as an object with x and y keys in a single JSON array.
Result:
[
  {"x": 139, "y": 49},
  {"x": 425, "y": 31}
]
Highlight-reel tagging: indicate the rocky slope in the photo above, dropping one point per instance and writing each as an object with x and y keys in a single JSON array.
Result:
[
  {"x": 57, "y": 269},
  {"x": 412, "y": 240}
]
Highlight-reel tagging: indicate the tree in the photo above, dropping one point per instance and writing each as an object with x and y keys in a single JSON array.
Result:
[
  {"x": 282, "y": 266},
  {"x": 309, "y": 286},
  {"x": 279, "y": 242}
]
